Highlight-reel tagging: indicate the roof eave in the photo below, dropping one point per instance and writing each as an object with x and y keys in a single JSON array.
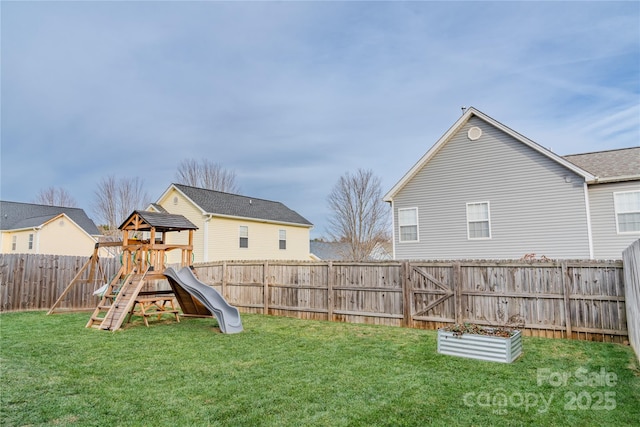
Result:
[
  {"x": 41, "y": 224},
  {"x": 173, "y": 186},
  {"x": 58, "y": 216},
  {"x": 64, "y": 215}
]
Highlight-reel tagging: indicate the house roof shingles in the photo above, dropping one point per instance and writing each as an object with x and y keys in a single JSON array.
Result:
[
  {"x": 329, "y": 250},
  {"x": 610, "y": 165},
  {"x": 340, "y": 251},
  {"x": 17, "y": 215},
  {"x": 217, "y": 202},
  {"x": 158, "y": 207}
]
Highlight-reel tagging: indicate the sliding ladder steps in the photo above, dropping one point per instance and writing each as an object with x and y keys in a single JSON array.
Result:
[
  {"x": 124, "y": 302},
  {"x": 98, "y": 315}
]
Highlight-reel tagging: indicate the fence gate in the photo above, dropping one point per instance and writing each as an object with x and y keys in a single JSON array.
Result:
[{"x": 433, "y": 297}]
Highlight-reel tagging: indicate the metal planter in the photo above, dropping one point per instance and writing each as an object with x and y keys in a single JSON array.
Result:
[{"x": 481, "y": 347}]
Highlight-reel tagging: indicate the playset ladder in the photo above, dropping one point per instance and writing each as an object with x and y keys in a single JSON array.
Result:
[
  {"x": 107, "y": 299},
  {"x": 122, "y": 302}
]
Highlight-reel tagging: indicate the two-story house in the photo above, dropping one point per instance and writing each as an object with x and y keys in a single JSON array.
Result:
[
  {"x": 42, "y": 229},
  {"x": 236, "y": 227},
  {"x": 484, "y": 191}
]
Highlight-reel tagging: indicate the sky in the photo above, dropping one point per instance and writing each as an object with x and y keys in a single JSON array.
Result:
[{"x": 293, "y": 95}]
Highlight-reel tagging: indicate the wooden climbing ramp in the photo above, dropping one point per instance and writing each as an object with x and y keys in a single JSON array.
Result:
[{"x": 122, "y": 299}]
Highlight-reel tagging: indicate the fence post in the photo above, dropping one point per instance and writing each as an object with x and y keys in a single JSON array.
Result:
[
  {"x": 457, "y": 291},
  {"x": 224, "y": 280},
  {"x": 407, "y": 293},
  {"x": 631, "y": 267},
  {"x": 566, "y": 294},
  {"x": 330, "y": 280},
  {"x": 265, "y": 279}
]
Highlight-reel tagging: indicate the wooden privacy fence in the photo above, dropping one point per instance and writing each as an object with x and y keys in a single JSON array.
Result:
[
  {"x": 574, "y": 299},
  {"x": 631, "y": 260},
  {"x": 34, "y": 282}
]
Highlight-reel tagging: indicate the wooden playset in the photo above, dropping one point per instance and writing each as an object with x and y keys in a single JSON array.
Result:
[{"x": 134, "y": 290}]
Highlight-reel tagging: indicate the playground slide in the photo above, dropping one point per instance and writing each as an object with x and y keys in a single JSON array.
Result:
[{"x": 227, "y": 315}]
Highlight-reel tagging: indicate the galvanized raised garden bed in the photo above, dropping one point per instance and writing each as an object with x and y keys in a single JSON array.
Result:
[{"x": 483, "y": 347}]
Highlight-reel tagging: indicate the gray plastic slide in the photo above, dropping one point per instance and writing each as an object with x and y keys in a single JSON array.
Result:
[{"x": 227, "y": 315}]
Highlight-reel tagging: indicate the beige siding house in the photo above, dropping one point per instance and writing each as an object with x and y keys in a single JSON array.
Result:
[
  {"x": 235, "y": 227},
  {"x": 41, "y": 229}
]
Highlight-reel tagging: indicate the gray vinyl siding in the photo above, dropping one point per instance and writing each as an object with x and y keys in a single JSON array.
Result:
[
  {"x": 533, "y": 209},
  {"x": 608, "y": 244}
]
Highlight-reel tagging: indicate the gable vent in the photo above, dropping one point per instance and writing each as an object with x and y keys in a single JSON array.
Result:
[{"x": 474, "y": 133}]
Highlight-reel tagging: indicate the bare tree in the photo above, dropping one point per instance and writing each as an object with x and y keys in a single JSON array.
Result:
[
  {"x": 359, "y": 215},
  {"x": 55, "y": 196},
  {"x": 115, "y": 199},
  {"x": 206, "y": 174}
]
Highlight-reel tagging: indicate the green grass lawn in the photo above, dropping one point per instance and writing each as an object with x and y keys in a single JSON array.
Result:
[{"x": 289, "y": 372}]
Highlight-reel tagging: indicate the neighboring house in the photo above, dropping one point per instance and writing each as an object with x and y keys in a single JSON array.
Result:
[
  {"x": 41, "y": 229},
  {"x": 235, "y": 227},
  {"x": 339, "y": 251},
  {"x": 485, "y": 191},
  {"x": 382, "y": 251}
]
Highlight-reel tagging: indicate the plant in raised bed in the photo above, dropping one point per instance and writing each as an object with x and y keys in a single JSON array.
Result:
[{"x": 472, "y": 328}]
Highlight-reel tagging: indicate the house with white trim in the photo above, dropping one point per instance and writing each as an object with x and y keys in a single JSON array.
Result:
[
  {"x": 484, "y": 191},
  {"x": 236, "y": 227},
  {"x": 41, "y": 229}
]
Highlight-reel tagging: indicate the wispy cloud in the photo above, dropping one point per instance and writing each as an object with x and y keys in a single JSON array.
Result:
[{"x": 291, "y": 95}]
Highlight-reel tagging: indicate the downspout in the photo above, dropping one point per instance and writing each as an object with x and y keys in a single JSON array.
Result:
[
  {"x": 393, "y": 230},
  {"x": 588, "y": 209},
  {"x": 205, "y": 239},
  {"x": 36, "y": 238}
]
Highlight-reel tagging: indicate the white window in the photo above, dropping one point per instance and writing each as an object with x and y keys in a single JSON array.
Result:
[
  {"x": 627, "y": 205},
  {"x": 478, "y": 221},
  {"x": 30, "y": 241},
  {"x": 14, "y": 243},
  {"x": 282, "y": 236},
  {"x": 408, "y": 224},
  {"x": 244, "y": 236}
]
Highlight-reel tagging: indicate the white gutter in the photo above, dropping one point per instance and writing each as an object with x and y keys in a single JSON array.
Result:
[
  {"x": 15, "y": 230},
  {"x": 598, "y": 180}
]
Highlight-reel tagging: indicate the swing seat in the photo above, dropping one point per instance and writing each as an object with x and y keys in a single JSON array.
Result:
[{"x": 101, "y": 290}]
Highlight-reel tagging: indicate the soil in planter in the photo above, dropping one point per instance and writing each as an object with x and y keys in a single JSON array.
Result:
[{"x": 470, "y": 328}]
